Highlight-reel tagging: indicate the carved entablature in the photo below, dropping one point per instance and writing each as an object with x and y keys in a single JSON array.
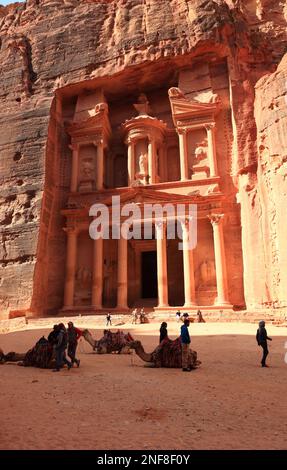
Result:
[{"x": 142, "y": 127}]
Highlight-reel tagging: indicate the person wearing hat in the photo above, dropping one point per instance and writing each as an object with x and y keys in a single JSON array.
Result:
[
  {"x": 73, "y": 336},
  {"x": 261, "y": 337},
  {"x": 185, "y": 344}
]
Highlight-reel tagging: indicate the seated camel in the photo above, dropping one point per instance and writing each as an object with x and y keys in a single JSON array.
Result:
[
  {"x": 41, "y": 355},
  {"x": 167, "y": 354},
  {"x": 110, "y": 342}
]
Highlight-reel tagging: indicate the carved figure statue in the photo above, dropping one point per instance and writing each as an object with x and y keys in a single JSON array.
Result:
[
  {"x": 143, "y": 165},
  {"x": 207, "y": 273},
  {"x": 87, "y": 170},
  {"x": 83, "y": 276},
  {"x": 200, "y": 152}
]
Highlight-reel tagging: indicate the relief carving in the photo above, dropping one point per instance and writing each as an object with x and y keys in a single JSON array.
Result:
[
  {"x": 87, "y": 175},
  {"x": 200, "y": 167},
  {"x": 206, "y": 274},
  {"x": 142, "y": 176},
  {"x": 83, "y": 285}
]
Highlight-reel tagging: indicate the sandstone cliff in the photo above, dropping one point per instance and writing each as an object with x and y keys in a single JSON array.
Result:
[
  {"x": 264, "y": 197},
  {"x": 52, "y": 45}
]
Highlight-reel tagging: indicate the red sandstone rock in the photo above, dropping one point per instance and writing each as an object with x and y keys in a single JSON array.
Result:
[{"x": 53, "y": 50}]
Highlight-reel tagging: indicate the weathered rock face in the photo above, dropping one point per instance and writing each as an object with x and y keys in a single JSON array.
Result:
[
  {"x": 51, "y": 50},
  {"x": 263, "y": 197}
]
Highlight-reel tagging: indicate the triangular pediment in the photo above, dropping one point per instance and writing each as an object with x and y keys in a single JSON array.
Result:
[{"x": 147, "y": 196}]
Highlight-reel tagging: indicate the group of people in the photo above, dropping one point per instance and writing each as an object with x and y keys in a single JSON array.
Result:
[
  {"x": 261, "y": 338},
  {"x": 182, "y": 317},
  {"x": 62, "y": 338},
  {"x": 185, "y": 340},
  {"x": 141, "y": 315}
]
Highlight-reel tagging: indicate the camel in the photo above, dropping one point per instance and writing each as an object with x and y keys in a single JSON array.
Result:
[
  {"x": 41, "y": 355},
  {"x": 110, "y": 342},
  {"x": 167, "y": 354}
]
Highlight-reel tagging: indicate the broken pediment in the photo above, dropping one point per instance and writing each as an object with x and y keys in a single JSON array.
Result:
[{"x": 189, "y": 113}]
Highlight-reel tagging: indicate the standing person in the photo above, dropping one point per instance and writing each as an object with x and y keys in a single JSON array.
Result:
[
  {"x": 60, "y": 347},
  {"x": 52, "y": 338},
  {"x": 185, "y": 342},
  {"x": 261, "y": 337},
  {"x": 109, "y": 319},
  {"x": 73, "y": 336},
  {"x": 200, "y": 318},
  {"x": 142, "y": 316},
  {"x": 135, "y": 316},
  {"x": 177, "y": 316},
  {"x": 163, "y": 332}
]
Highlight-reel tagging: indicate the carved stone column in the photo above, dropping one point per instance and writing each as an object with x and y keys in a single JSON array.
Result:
[
  {"x": 163, "y": 162},
  {"x": 182, "y": 134},
  {"x": 71, "y": 260},
  {"x": 188, "y": 267},
  {"x": 161, "y": 250},
  {"x": 151, "y": 161},
  {"x": 131, "y": 161},
  {"x": 75, "y": 167},
  {"x": 220, "y": 261},
  {"x": 210, "y": 128},
  {"x": 97, "y": 288},
  {"x": 123, "y": 270},
  {"x": 100, "y": 165}
]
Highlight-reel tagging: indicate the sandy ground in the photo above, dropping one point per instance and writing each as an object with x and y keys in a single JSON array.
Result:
[{"x": 115, "y": 402}]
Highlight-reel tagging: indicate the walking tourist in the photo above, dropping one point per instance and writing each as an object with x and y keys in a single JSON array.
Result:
[
  {"x": 61, "y": 346},
  {"x": 109, "y": 319},
  {"x": 185, "y": 344},
  {"x": 261, "y": 337},
  {"x": 73, "y": 336},
  {"x": 200, "y": 318}
]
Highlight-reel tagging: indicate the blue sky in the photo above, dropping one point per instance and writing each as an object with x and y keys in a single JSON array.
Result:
[{"x": 6, "y": 2}]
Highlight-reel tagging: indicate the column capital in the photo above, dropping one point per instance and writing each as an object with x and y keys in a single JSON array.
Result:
[
  {"x": 216, "y": 219},
  {"x": 71, "y": 230},
  {"x": 98, "y": 142},
  {"x": 210, "y": 126},
  {"x": 160, "y": 224},
  {"x": 182, "y": 130},
  {"x": 74, "y": 147},
  {"x": 185, "y": 221}
]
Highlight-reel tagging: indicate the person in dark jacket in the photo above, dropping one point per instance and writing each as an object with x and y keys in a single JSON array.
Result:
[
  {"x": 185, "y": 344},
  {"x": 261, "y": 337},
  {"x": 109, "y": 319},
  {"x": 163, "y": 332},
  {"x": 73, "y": 336},
  {"x": 60, "y": 347},
  {"x": 52, "y": 338}
]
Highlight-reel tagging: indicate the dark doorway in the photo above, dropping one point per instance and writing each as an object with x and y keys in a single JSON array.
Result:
[{"x": 149, "y": 275}]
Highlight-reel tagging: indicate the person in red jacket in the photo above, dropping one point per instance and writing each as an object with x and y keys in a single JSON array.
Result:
[{"x": 73, "y": 336}]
